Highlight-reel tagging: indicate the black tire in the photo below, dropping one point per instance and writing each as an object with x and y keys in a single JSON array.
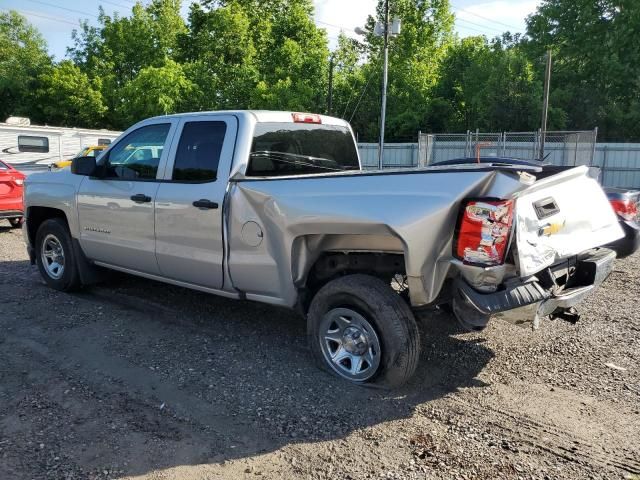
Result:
[
  {"x": 69, "y": 279},
  {"x": 15, "y": 222},
  {"x": 387, "y": 313}
]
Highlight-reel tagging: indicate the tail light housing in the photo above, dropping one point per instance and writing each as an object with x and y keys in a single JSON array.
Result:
[
  {"x": 484, "y": 231},
  {"x": 18, "y": 181},
  {"x": 306, "y": 118},
  {"x": 627, "y": 209}
]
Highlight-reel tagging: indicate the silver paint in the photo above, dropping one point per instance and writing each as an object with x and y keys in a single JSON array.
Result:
[{"x": 301, "y": 217}]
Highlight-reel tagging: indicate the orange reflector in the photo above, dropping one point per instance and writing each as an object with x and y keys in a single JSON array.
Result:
[{"x": 306, "y": 118}]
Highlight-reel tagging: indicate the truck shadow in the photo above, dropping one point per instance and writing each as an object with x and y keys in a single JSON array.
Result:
[{"x": 165, "y": 377}]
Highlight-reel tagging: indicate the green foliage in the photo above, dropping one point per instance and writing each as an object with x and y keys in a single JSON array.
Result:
[
  {"x": 66, "y": 97},
  {"x": 596, "y": 67},
  {"x": 241, "y": 54},
  {"x": 23, "y": 57},
  {"x": 486, "y": 86},
  {"x": 155, "y": 91}
]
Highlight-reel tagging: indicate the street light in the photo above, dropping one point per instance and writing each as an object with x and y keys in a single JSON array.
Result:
[{"x": 384, "y": 31}]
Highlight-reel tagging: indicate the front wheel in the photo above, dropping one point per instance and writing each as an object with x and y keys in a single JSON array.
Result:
[
  {"x": 55, "y": 257},
  {"x": 362, "y": 331}
]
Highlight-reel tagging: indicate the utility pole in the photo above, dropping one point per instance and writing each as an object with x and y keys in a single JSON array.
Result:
[
  {"x": 545, "y": 104},
  {"x": 330, "y": 98},
  {"x": 385, "y": 79}
]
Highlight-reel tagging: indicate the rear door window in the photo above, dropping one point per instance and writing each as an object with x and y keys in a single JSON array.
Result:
[{"x": 198, "y": 152}]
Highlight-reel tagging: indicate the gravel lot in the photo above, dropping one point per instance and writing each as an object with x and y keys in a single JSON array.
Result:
[{"x": 137, "y": 379}]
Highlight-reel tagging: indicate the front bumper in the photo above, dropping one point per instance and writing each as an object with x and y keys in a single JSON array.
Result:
[{"x": 556, "y": 289}]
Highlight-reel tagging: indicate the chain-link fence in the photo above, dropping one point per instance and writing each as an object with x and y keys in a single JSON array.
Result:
[{"x": 558, "y": 148}]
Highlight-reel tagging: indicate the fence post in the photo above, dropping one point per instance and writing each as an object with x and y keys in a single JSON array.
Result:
[
  {"x": 593, "y": 152},
  {"x": 604, "y": 163},
  {"x": 467, "y": 144}
]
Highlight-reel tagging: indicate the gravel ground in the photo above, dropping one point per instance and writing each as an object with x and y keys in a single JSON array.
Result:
[{"x": 137, "y": 379}]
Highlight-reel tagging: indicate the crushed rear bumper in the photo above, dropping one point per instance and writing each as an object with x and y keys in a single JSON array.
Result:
[{"x": 554, "y": 290}]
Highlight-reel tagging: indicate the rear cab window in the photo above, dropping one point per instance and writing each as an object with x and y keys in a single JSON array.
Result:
[{"x": 289, "y": 148}]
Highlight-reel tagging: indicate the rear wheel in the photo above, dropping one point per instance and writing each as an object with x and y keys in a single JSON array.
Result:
[
  {"x": 54, "y": 256},
  {"x": 361, "y": 330},
  {"x": 15, "y": 222}
]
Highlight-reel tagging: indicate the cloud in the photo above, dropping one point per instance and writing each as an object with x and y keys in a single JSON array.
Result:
[{"x": 342, "y": 15}]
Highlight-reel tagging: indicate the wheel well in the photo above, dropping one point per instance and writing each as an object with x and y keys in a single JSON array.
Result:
[
  {"x": 332, "y": 265},
  {"x": 37, "y": 215}
]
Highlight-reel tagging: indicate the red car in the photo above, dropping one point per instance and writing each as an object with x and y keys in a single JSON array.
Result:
[{"x": 11, "y": 206}]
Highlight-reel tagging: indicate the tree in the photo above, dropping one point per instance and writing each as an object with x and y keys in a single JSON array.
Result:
[
  {"x": 219, "y": 55},
  {"x": 414, "y": 57},
  {"x": 485, "y": 85},
  {"x": 596, "y": 69},
  {"x": 119, "y": 49},
  {"x": 293, "y": 63},
  {"x": 23, "y": 56},
  {"x": 155, "y": 91},
  {"x": 66, "y": 97}
]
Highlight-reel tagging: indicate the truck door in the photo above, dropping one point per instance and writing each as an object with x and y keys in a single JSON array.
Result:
[
  {"x": 189, "y": 218},
  {"x": 116, "y": 210}
]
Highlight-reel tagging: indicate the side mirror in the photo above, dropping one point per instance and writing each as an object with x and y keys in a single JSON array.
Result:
[{"x": 84, "y": 166}]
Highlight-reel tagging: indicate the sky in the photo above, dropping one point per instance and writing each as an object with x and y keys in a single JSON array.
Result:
[{"x": 57, "y": 18}]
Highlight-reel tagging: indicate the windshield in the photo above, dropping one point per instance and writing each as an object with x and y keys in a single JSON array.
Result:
[
  {"x": 81, "y": 153},
  {"x": 89, "y": 152},
  {"x": 298, "y": 148}
]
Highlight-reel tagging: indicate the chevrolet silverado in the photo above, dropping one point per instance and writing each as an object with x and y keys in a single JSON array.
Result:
[{"x": 275, "y": 207}]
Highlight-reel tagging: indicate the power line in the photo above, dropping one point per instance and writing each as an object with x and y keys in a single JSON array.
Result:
[
  {"x": 27, "y": 13},
  {"x": 119, "y": 4},
  {"x": 457, "y": 9},
  {"x": 458, "y": 19},
  {"x": 335, "y": 26},
  {"x": 53, "y": 5},
  {"x": 466, "y": 27},
  {"x": 479, "y": 25}
]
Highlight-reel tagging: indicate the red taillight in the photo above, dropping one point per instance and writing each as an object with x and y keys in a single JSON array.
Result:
[
  {"x": 627, "y": 209},
  {"x": 483, "y": 232},
  {"x": 306, "y": 118}
]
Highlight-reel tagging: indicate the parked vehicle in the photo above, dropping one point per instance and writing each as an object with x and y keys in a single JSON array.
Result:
[
  {"x": 274, "y": 207},
  {"x": 90, "y": 151},
  {"x": 625, "y": 204},
  {"x": 11, "y": 185},
  {"x": 32, "y": 147}
]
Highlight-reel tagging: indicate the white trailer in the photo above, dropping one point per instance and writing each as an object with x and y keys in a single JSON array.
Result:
[{"x": 33, "y": 147}]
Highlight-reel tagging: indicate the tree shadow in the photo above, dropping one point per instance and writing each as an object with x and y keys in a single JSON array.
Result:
[{"x": 158, "y": 376}]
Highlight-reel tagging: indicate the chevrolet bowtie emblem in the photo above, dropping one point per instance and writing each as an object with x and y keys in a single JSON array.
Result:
[{"x": 550, "y": 229}]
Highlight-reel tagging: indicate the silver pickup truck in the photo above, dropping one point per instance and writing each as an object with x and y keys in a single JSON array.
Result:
[{"x": 274, "y": 207}]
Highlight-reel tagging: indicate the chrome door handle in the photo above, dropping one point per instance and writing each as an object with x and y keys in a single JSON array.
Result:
[
  {"x": 140, "y": 198},
  {"x": 205, "y": 204}
]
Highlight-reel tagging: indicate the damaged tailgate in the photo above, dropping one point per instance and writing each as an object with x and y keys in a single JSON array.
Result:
[{"x": 561, "y": 216}]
